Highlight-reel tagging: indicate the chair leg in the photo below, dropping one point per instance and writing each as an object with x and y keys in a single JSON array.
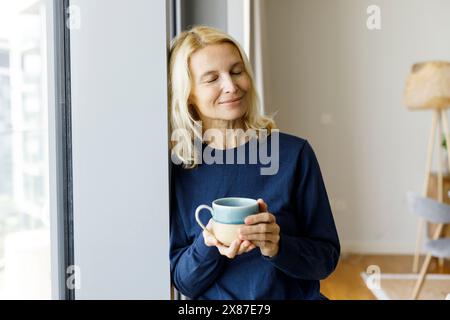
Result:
[
  {"x": 422, "y": 225},
  {"x": 426, "y": 263},
  {"x": 419, "y": 283},
  {"x": 431, "y": 137}
]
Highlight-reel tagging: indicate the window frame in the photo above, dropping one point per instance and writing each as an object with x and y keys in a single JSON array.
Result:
[{"x": 60, "y": 153}]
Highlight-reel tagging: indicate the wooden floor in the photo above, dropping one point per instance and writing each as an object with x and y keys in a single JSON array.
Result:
[{"x": 346, "y": 283}]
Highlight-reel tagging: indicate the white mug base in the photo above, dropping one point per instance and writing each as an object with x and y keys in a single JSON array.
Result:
[{"x": 226, "y": 233}]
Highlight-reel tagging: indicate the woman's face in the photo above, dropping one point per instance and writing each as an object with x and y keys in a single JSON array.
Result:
[{"x": 219, "y": 82}]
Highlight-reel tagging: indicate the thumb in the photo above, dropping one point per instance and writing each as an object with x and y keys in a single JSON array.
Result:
[{"x": 262, "y": 205}]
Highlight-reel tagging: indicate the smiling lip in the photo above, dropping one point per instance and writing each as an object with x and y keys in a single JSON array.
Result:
[{"x": 233, "y": 100}]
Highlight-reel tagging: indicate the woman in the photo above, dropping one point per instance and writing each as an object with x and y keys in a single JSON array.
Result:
[{"x": 283, "y": 251}]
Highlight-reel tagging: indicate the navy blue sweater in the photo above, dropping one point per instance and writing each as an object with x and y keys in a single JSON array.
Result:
[{"x": 308, "y": 248}]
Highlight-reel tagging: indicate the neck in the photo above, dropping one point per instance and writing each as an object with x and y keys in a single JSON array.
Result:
[{"x": 217, "y": 138}]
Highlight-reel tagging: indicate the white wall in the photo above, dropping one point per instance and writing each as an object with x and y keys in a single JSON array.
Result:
[
  {"x": 325, "y": 66},
  {"x": 237, "y": 16},
  {"x": 120, "y": 155}
]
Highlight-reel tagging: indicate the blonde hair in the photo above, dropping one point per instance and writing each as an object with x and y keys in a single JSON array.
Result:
[{"x": 180, "y": 84}]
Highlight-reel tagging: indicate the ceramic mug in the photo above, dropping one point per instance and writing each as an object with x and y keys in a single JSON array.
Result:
[{"x": 228, "y": 214}]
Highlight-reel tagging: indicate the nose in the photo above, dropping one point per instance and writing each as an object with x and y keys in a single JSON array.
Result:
[{"x": 229, "y": 86}]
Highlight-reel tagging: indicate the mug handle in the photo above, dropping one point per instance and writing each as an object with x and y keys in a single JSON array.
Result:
[{"x": 197, "y": 211}]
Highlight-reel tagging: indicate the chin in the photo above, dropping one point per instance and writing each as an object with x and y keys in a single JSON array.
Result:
[{"x": 233, "y": 115}]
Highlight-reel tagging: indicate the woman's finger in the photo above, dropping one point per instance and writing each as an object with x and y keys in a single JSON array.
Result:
[
  {"x": 243, "y": 247},
  {"x": 208, "y": 235},
  {"x": 264, "y": 244},
  {"x": 209, "y": 238},
  {"x": 262, "y": 205},
  {"x": 250, "y": 247},
  {"x": 260, "y": 228},
  {"x": 266, "y": 217},
  {"x": 261, "y": 237},
  {"x": 231, "y": 251},
  {"x": 209, "y": 225}
]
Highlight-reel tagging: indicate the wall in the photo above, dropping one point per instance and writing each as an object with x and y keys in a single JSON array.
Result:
[
  {"x": 120, "y": 155},
  {"x": 340, "y": 86}
]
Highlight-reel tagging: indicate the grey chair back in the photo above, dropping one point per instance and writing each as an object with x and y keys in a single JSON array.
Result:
[{"x": 429, "y": 209}]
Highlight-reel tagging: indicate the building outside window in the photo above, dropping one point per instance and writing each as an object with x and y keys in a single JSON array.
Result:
[{"x": 24, "y": 196}]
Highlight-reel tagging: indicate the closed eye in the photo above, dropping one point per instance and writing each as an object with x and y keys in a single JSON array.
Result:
[{"x": 212, "y": 80}]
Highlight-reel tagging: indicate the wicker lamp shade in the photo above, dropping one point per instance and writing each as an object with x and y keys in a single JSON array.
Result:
[{"x": 428, "y": 86}]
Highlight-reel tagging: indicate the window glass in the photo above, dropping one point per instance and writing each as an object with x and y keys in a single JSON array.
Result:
[{"x": 24, "y": 198}]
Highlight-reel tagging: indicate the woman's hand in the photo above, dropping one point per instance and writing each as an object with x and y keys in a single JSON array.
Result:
[
  {"x": 262, "y": 230},
  {"x": 237, "y": 247}
]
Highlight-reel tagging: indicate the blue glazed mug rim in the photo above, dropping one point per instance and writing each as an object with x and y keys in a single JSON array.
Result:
[{"x": 251, "y": 201}]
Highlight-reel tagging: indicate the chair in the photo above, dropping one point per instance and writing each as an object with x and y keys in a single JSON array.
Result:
[{"x": 435, "y": 212}]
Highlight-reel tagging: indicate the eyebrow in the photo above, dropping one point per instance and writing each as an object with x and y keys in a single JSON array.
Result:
[{"x": 212, "y": 71}]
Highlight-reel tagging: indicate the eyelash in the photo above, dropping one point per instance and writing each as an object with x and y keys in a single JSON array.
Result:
[{"x": 234, "y": 73}]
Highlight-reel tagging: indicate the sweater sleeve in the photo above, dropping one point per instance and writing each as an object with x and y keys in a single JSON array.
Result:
[
  {"x": 194, "y": 266},
  {"x": 314, "y": 254}
]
